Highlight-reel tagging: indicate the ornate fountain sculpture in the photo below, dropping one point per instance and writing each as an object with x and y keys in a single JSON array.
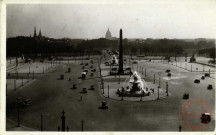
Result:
[
  {"x": 112, "y": 62},
  {"x": 135, "y": 87}
]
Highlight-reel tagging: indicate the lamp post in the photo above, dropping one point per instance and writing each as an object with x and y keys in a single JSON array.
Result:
[
  {"x": 167, "y": 88},
  {"x": 158, "y": 93},
  {"x": 209, "y": 72},
  {"x": 63, "y": 120},
  {"x": 41, "y": 122},
  {"x": 180, "y": 128},
  {"x": 108, "y": 91},
  {"x": 145, "y": 72},
  {"x": 82, "y": 122},
  {"x": 18, "y": 118},
  {"x": 142, "y": 95},
  {"x": 33, "y": 75},
  {"x": 22, "y": 80},
  {"x": 15, "y": 85},
  {"x": 17, "y": 75}
]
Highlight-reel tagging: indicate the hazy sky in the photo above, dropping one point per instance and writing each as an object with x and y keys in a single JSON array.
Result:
[{"x": 147, "y": 20}]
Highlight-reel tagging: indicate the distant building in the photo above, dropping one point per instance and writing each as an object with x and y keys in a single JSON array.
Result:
[
  {"x": 39, "y": 36},
  {"x": 35, "y": 32},
  {"x": 108, "y": 35}
]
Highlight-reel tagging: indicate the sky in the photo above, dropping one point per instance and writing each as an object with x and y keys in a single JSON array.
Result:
[{"x": 150, "y": 19}]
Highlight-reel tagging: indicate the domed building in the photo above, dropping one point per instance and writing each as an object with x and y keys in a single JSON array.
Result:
[{"x": 108, "y": 34}]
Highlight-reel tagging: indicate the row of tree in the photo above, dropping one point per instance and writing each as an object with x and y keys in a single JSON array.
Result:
[
  {"x": 28, "y": 45},
  {"x": 209, "y": 51}
]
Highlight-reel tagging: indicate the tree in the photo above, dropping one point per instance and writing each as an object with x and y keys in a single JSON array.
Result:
[{"x": 212, "y": 54}]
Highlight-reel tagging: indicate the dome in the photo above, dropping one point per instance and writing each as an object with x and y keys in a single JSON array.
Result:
[{"x": 108, "y": 35}]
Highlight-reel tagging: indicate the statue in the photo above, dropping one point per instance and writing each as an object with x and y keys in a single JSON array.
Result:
[{"x": 192, "y": 59}]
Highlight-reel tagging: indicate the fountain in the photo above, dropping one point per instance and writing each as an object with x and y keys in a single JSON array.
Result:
[
  {"x": 135, "y": 87},
  {"x": 112, "y": 62}
]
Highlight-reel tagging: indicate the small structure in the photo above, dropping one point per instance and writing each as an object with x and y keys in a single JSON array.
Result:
[
  {"x": 207, "y": 75},
  {"x": 205, "y": 117},
  {"x": 84, "y": 90},
  {"x": 210, "y": 87},
  {"x": 62, "y": 77},
  {"x": 186, "y": 96},
  {"x": 192, "y": 59},
  {"x": 169, "y": 74},
  {"x": 74, "y": 86},
  {"x": 113, "y": 71},
  {"x": 86, "y": 70},
  {"x": 135, "y": 62},
  {"x": 27, "y": 102},
  {"x": 167, "y": 71},
  {"x": 20, "y": 102},
  {"x": 93, "y": 70},
  {"x": 203, "y": 77},
  {"x": 92, "y": 87},
  {"x": 128, "y": 71},
  {"x": 104, "y": 105},
  {"x": 196, "y": 81}
]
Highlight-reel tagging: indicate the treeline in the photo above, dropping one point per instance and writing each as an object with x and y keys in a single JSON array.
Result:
[
  {"x": 209, "y": 51},
  {"x": 27, "y": 45}
]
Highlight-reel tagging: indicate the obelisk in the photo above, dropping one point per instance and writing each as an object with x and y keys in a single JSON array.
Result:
[{"x": 120, "y": 70}]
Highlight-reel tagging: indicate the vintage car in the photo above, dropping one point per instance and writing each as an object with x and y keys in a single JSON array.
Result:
[
  {"x": 62, "y": 77},
  {"x": 205, "y": 117},
  {"x": 83, "y": 75}
]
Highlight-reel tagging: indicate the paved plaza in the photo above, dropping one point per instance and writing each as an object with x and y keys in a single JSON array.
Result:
[{"x": 50, "y": 95}]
